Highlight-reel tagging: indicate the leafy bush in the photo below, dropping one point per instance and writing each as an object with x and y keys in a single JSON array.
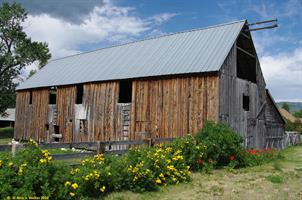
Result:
[
  {"x": 31, "y": 173},
  {"x": 7, "y": 132},
  {"x": 152, "y": 167},
  {"x": 222, "y": 144},
  {"x": 254, "y": 157},
  {"x": 193, "y": 153},
  {"x": 97, "y": 176}
]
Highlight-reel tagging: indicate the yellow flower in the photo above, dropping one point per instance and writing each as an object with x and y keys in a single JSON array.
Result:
[
  {"x": 74, "y": 186},
  {"x": 32, "y": 142},
  {"x": 42, "y": 161},
  {"x": 102, "y": 189},
  {"x": 10, "y": 164},
  {"x": 1, "y": 162},
  {"x": 158, "y": 181},
  {"x": 67, "y": 183},
  {"x": 49, "y": 158},
  {"x": 71, "y": 194},
  {"x": 168, "y": 149},
  {"x": 161, "y": 175}
]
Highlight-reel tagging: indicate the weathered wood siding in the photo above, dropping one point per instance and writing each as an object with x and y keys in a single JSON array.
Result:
[
  {"x": 22, "y": 115},
  {"x": 31, "y": 118},
  {"x": 173, "y": 107},
  {"x": 252, "y": 124},
  {"x": 100, "y": 101},
  {"x": 39, "y": 117},
  {"x": 65, "y": 101}
]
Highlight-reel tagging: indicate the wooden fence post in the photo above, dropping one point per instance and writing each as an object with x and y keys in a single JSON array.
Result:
[
  {"x": 100, "y": 147},
  {"x": 16, "y": 146}
]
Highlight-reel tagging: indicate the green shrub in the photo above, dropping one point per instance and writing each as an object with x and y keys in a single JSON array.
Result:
[
  {"x": 222, "y": 144},
  {"x": 97, "y": 176},
  {"x": 275, "y": 178},
  {"x": 193, "y": 153},
  {"x": 7, "y": 132},
  {"x": 153, "y": 167},
  {"x": 32, "y": 173},
  {"x": 254, "y": 157}
]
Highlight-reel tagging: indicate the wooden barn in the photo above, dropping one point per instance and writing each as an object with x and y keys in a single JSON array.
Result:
[{"x": 166, "y": 86}]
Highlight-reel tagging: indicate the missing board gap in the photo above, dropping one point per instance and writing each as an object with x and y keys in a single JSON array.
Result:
[
  {"x": 53, "y": 95},
  {"x": 246, "y": 103},
  {"x": 80, "y": 94}
]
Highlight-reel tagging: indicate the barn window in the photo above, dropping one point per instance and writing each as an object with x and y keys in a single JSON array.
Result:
[
  {"x": 30, "y": 97},
  {"x": 56, "y": 131},
  {"x": 246, "y": 103},
  {"x": 80, "y": 93},
  {"x": 125, "y": 94},
  {"x": 52, "y": 95},
  {"x": 246, "y": 58}
]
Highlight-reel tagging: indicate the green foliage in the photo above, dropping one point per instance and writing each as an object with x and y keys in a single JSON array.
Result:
[
  {"x": 153, "y": 167},
  {"x": 7, "y": 132},
  {"x": 293, "y": 126},
  {"x": 16, "y": 51},
  {"x": 222, "y": 143},
  {"x": 31, "y": 73},
  {"x": 285, "y": 106},
  {"x": 193, "y": 153},
  {"x": 31, "y": 173},
  {"x": 298, "y": 114},
  {"x": 254, "y": 157},
  {"x": 275, "y": 179}
]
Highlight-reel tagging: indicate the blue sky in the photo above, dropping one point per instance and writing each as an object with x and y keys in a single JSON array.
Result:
[{"x": 74, "y": 26}]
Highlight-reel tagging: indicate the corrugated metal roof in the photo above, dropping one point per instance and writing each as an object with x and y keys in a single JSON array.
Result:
[{"x": 194, "y": 51}]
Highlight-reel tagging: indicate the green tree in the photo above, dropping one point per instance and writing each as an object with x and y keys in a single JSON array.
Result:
[
  {"x": 17, "y": 50},
  {"x": 285, "y": 106},
  {"x": 298, "y": 114},
  {"x": 31, "y": 73}
]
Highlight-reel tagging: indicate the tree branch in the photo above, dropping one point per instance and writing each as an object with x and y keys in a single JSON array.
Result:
[{"x": 8, "y": 67}]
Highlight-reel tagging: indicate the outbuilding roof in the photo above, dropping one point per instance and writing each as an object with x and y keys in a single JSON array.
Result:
[
  {"x": 8, "y": 115},
  {"x": 193, "y": 51}
]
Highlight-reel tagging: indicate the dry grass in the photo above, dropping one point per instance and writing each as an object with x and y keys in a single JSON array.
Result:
[{"x": 281, "y": 179}]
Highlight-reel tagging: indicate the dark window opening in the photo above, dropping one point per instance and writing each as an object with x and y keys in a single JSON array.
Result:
[
  {"x": 80, "y": 92},
  {"x": 246, "y": 67},
  {"x": 125, "y": 94},
  {"x": 30, "y": 97},
  {"x": 56, "y": 131},
  {"x": 246, "y": 58},
  {"x": 246, "y": 103},
  {"x": 53, "y": 95}
]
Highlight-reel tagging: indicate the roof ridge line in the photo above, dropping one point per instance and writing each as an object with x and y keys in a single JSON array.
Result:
[{"x": 152, "y": 38}]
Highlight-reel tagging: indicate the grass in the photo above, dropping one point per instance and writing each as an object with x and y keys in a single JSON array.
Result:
[
  {"x": 6, "y": 135},
  {"x": 281, "y": 179}
]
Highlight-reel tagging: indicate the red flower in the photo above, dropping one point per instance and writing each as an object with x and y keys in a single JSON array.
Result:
[
  {"x": 199, "y": 162},
  {"x": 232, "y": 157}
]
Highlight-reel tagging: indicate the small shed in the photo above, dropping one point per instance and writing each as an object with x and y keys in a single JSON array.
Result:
[
  {"x": 7, "y": 119},
  {"x": 167, "y": 86}
]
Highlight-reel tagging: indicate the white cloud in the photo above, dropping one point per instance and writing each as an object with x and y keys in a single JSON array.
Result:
[
  {"x": 283, "y": 74},
  {"x": 268, "y": 10},
  {"x": 106, "y": 23},
  {"x": 161, "y": 18}
]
